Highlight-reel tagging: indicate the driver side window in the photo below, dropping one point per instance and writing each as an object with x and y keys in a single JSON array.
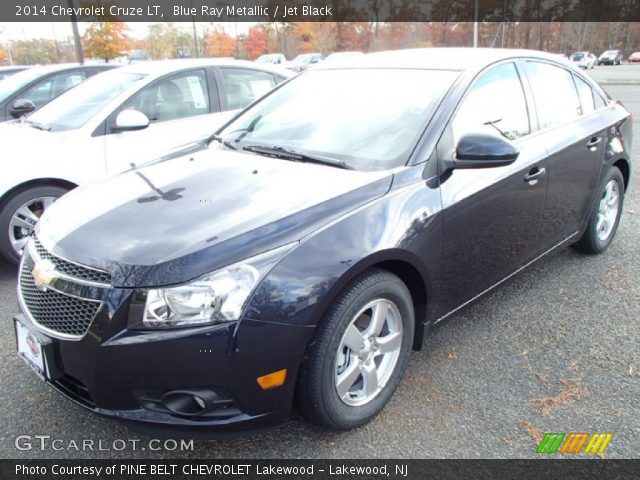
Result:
[
  {"x": 52, "y": 87},
  {"x": 495, "y": 104},
  {"x": 183, "y": 95}
]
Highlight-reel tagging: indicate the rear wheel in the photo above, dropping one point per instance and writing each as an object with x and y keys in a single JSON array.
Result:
[
  {"x": 604, "y": 221},
  {"x": 19, "y": 215},
  {"x": 359, "y": 353}
]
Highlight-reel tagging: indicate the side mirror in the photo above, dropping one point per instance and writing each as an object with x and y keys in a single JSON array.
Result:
[
  {"x": 130, "y": 120},
  {"x": 21, "y": 107},
  {"x": 479, "y": 150}
]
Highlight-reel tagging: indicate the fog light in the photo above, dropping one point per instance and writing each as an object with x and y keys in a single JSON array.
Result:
[
  {"x": 189, "y": 402},
  {"x": 272, "y": 380}
]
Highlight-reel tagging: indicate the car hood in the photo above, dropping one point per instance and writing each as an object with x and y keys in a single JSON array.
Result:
[
  {"x": 22, "y": 139},
  {"x": 177, "y": 219}
]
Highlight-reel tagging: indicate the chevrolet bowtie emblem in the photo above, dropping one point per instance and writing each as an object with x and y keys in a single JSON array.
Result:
[{"x": 43, "y": 273}]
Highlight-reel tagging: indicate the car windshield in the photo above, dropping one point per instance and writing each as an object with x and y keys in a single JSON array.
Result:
[
  {"x": 369, "y": 119},
  {"x": 77, "y": 106},
  {"x": 15, "y": 82},
  {"x": 302, "y": 59},
  {"x": 609, "y": 53},
  {"x": 266, "y": 58},
  {"x": 577, "y": 56}
]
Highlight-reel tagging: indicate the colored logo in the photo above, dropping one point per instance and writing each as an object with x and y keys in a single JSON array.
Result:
[
  {"x": 33, "y": 345},
  {"x": 43, "y": 273},
  {"x": 574, "y": 443}
]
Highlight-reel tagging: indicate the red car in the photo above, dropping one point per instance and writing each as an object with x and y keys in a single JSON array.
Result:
[{"x": 635, "y": 57}]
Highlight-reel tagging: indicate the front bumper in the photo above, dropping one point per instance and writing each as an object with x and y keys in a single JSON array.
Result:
[{"x": 126, "y": 375}]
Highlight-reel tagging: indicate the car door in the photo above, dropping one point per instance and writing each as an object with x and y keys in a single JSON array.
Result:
[
  {"x": 491, "y": 216},
  {"x": 573, "y": 138},
  {"x": 181, "y": 107}
]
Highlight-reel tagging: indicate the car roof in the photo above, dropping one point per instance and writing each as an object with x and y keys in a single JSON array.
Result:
[
  {"x": 5, "y": 68},
  {"x": 458, "y": 59},
  {"x": 60, "y": 67},
  {"x": 162, "y": 67}
]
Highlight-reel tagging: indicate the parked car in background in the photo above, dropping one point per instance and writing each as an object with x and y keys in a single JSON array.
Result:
[
  {"x": 584, "y": 60},
  {"x": 29, "y": 90},
  {"x": 112, "y": 122},
  {"x": 11, "y": 70},
  {"x": 137, "y": 56},
  {"x": 310, "y": 248},
  {"x": 332, "y": 57},
  {"x": 634, "y": 57},
  {"x": 610, "y": 57},
  {"x": 272, "y": 58},
  {"x": 304, "y": 61}
]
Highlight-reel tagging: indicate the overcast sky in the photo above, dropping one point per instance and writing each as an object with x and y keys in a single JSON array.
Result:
[{"x": 29, "y": 30}]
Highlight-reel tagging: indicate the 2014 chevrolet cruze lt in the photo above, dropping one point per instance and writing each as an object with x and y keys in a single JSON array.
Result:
[{"x": 300, "y": 256}]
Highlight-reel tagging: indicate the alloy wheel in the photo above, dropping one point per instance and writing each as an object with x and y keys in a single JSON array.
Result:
[
  {"x": 368, "y": 352},
  {"x": 24, "y": 220},
  {"x": 608, "y": 210}
]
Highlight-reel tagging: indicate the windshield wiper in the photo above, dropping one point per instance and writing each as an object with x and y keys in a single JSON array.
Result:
[
  {"x": 217, "y": 138},
  {"x": 38, "y": 125},
  {"x": 295, "y": 155}
]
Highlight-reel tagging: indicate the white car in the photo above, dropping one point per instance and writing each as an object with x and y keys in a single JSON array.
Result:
[
  {"x": 343, "y": 56},
  {"x": 584, "y": 60},
  {"x": 114, "y": 122},
  {"x": 272, "y": 58}
]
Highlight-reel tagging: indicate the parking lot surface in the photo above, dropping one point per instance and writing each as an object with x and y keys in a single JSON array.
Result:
[
  {"x": 625, "y": 74},
  {"x": 554, "y": 350}
]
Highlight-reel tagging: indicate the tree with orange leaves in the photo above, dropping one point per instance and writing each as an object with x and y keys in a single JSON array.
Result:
[
  {"x": 316, "y": 36},
  {"x": 256, "y": 43},
  {"x": 220, "y": 44},
  {"x": 106, "y": 40},
  {"x": 3, "y": 55}
]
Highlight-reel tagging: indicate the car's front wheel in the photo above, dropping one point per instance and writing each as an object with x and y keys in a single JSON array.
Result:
[
  {"x": 359, "y": 352},
  {"x": 18, "y": 217},
  {"x": 605, "y": 218}
]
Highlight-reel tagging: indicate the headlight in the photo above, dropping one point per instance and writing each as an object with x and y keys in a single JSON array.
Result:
[{"x": 215, "y": 298}]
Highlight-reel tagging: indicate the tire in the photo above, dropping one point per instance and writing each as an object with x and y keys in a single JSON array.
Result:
[
  {"x": 40, "y": 197},
  {"x": 603, "y": 224},
  {"x": 329, "y": 359}
]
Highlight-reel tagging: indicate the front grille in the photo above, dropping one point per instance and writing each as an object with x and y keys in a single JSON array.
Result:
[
  {"x": 56, "y": 311},
  {"x": 71, "y": 269}
]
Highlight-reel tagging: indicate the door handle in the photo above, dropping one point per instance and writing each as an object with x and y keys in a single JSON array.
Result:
[
  {"x": 534, "y": 174},
  {"x": 593, "y": 142}
]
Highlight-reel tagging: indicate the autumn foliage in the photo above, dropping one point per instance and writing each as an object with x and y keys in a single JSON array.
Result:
[
  {"x": 256, "y": 43},
  {"x": 220, "y": 44},
  {"x": 3, "y": 55},
  {"x": 105, "y": 40}
]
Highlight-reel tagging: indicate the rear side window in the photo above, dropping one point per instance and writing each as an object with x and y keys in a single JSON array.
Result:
[
  {"x": 586, "y": 96},
  {"x": 494, "y": 104},
  {"x": 554, "y": 93},
  {"x": 243, "y": 86},
  {"x": 599, "y": 101}
]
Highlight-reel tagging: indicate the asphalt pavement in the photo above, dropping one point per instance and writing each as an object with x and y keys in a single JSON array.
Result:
[
  {"x": 554, "y": 350},
  {"x": 625, "y": 74}
]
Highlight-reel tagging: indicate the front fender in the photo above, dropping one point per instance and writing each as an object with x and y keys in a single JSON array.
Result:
[{"x": 403, "y": 226}]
